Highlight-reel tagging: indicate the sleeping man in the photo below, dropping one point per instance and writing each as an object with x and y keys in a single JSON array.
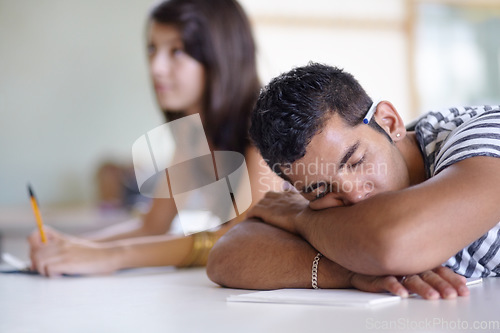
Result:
[{"x": 376, "y": 205}]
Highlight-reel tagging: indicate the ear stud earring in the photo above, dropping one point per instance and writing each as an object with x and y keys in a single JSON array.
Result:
[{"x": 398, "y": 135}]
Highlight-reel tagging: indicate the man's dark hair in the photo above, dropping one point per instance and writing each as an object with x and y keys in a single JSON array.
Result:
[{"x": 294, "y": 107}]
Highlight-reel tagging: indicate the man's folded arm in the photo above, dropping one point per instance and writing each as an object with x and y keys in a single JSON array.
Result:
[
  {"x": 412, "y": 230},
  {"x": 255, "y": 255}
]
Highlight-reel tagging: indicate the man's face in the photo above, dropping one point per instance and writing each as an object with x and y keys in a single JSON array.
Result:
[{"x": 344, "y": 165}]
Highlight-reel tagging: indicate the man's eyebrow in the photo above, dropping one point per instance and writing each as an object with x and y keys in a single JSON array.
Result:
[{"x": 348, "y": 155}]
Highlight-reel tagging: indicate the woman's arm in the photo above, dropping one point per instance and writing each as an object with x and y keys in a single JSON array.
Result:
[
  {"x": 156, "y": 221},
  {"x": 64, "y": 254},
  {"x": 71, "y": 255}
]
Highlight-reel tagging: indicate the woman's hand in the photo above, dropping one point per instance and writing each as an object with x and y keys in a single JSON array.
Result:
[
  {"x": 433, "y": 284},
  {"x": 64, "y": 254}
]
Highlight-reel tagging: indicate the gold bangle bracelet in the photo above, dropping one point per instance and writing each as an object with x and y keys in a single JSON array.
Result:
[{"x": 202, "y": 244}]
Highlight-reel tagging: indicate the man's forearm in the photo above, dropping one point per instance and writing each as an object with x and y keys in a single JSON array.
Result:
[
  {"x": 414, "y": 229},
  {"x": 255, "y": 255},
  {"x": 349, "y": 236}
]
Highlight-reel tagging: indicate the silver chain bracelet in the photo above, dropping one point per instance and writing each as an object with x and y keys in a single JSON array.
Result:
[{"x": 315, "y": 271}]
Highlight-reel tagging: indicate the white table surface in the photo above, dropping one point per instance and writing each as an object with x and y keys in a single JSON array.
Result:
[{"x": 172, "y": 300}]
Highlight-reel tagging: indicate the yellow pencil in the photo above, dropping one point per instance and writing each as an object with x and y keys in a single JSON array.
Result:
[{"x": 36, "y": 211}]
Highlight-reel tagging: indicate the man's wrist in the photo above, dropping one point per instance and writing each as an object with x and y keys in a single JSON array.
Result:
[
  {"x": 331, "y": 275},
  {"x": 301, "y": 222},
  {"x": 314, "y": 275}
]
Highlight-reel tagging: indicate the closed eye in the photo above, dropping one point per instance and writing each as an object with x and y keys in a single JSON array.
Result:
[{"x": 358, "y": 163}]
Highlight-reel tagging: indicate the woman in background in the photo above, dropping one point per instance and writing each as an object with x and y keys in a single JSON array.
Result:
[{"x": 201, "y": 60}]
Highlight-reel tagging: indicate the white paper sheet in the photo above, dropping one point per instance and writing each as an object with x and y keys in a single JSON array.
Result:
[{"x": 335, "y": 297}]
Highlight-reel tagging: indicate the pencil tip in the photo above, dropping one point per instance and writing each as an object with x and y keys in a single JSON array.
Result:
[{"x": 30, "y": 190}]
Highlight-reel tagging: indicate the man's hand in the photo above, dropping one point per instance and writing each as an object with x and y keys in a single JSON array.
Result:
[
  {"x": 280, "y": 209},
  {"x": 64, "y": 254},
  {"x": 439, "y": 282}
]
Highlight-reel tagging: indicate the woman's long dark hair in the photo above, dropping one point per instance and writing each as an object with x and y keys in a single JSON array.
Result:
[{"x": 217, "y": 34}]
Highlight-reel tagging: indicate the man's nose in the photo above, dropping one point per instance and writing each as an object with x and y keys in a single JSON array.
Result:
[{"x": 355, "y": 192}]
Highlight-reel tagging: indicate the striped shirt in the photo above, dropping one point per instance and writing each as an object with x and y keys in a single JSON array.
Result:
[{"x": 449, "y": 136}]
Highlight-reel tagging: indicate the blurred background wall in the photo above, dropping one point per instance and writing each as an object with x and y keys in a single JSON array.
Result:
[{"x": 74, "y": 86}]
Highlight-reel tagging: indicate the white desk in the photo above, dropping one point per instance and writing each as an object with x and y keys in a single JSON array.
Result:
[{"x": 170, "y": 300}]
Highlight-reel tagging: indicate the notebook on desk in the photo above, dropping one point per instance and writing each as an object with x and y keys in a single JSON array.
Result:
[{"x": 335, "y": 297}]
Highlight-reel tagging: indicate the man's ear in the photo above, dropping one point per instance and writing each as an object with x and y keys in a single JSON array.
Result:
[{"x": 389, "y": 119}]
